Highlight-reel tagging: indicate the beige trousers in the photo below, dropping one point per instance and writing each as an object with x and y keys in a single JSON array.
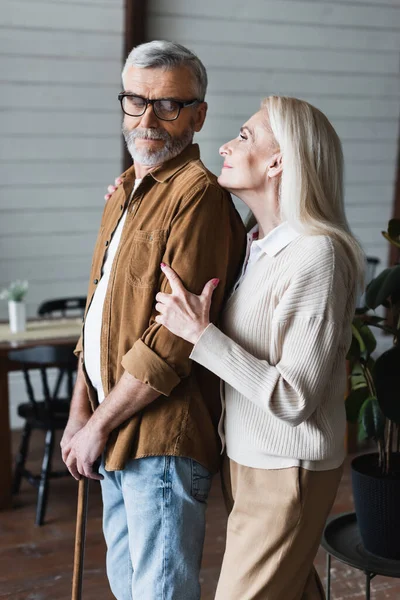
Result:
[{"x": 274, "y": 529}]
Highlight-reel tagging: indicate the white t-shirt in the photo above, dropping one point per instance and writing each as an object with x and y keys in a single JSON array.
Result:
[{"x": 94, "y": 318}]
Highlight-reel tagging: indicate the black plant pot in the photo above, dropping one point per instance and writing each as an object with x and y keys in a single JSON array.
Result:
[{"x": 377, "y": 504}]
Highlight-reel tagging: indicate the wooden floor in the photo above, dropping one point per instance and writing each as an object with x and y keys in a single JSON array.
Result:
[{"x": 36, "y": 562}]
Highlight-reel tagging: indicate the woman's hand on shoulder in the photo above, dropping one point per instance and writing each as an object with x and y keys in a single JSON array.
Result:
[
  {"x": 183, "y": 313},
  {"x": 111, "y": 188}
]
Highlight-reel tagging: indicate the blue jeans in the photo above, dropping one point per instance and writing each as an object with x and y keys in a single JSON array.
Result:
[{"x": 154, "y": 525}]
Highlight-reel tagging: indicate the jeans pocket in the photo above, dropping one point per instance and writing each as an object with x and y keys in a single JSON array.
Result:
[{"x": 201, "y": 481}]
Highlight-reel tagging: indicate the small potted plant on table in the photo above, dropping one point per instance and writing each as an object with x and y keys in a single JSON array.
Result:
[{"x": 15, "y": 295}]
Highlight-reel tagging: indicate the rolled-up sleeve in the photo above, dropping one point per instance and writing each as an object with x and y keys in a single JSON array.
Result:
[
  {"x": 79, "y": 347},
  {"x": 143, "y": 362},
  {"x": 206, "y": 240}
]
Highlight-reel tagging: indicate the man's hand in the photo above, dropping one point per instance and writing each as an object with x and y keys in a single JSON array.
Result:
[
  {"x": 86, "y": 434},
  {"x": 85, "y": 447},
  {"x": 74, "y": 425},
  {"x": 80, "y": 415}
]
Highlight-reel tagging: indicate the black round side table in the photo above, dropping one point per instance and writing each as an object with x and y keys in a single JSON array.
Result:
[{"x": 342, "y": 540}]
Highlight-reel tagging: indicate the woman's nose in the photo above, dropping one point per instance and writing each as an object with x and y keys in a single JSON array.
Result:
[{"x": 224, "y": 150}]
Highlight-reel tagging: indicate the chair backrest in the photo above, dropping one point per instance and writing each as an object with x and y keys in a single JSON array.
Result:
[
  {"x": 63, "y": 306},
  {"x": 43, "y": 358}
]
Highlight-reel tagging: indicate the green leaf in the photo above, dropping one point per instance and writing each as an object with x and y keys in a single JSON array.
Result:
[
  {"x": 361, "y": 433},
  {"x": 354, "y": 402},
  {"x": 357, "y": 377},
  {"x": 357, "y": 334},
  {"x": 372, "y": 419},
  {"x": 394, "y": 231},
  {"x": 368, "y": 337},
  {"x": 384, "y": 286},
  {"x": 389, "y": 239},
  {"x": 364, "y": 336},
  {"x": 353, "y": 353}
]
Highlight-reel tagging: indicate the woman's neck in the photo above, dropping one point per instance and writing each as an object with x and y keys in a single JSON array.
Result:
[
  {"x": 267, "y": 224},
  {"x": 265, "y": 210}
]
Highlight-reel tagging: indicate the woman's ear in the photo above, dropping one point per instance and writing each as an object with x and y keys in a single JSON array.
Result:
[{"x": 275, "y": 166}]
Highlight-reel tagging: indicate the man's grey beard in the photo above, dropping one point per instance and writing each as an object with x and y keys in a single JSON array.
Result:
[{"x": 172, "y": 147}]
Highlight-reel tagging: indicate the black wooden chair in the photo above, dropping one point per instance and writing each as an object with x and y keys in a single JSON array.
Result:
[
  {"x": 49, "y": 414},
  {"x": 63, "y": 307}
]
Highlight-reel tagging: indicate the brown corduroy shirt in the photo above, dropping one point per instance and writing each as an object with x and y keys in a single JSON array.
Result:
[{"x": 178, "y": 215}]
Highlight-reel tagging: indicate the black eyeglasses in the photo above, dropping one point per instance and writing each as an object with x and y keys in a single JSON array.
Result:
[{"x": 164, "y": 108}]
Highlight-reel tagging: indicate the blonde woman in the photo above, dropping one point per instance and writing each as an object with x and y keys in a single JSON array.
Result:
[{"x": 281, "y": 349}]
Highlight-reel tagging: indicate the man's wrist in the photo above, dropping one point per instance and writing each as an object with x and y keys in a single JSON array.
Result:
[
  {"x": 79, "y": 412},
  {"x": 100, "y": 423}
]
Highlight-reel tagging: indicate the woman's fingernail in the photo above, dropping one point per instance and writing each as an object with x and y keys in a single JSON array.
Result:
[
  {"x": 215, "y": 282},
  {"x": 162, "y": 265},
  {"x": 118, "y": 181}
]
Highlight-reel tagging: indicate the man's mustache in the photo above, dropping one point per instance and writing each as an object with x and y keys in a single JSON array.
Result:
[{"x": 146, "y": 134}]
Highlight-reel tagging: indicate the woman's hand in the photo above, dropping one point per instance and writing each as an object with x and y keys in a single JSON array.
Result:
[
  {"x": 111, "y": 188},
  {"x": 184, "y": 314}
]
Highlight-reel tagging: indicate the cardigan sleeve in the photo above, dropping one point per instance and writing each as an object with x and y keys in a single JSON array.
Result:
[
  {"x": 292, "y": 389},
  {"x": 309, "y": 327}
]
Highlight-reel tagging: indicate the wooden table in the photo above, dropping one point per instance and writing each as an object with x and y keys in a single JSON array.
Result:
[{"x": 56, "y": 331}]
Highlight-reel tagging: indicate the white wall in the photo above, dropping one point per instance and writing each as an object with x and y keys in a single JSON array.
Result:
[
  {"x": 60, "y": 65},
  {"x": 343, "y": 56}
]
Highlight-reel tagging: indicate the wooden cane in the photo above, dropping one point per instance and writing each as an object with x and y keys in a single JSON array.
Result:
[{"x": 79, "y": 552}]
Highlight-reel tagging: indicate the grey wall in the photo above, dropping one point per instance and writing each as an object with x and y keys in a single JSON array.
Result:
[
  {"x": 60, "y": 65},
  {"x": 60, "y": 68}
]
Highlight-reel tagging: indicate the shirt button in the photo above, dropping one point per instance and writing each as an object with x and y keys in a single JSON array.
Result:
[
  {"x": 107, "y": 242},
  {"x": 121, "y": 207},
  {"x": 95, "y": 281}
]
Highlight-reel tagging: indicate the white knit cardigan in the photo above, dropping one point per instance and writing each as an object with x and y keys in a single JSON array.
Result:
[{"x": 281, "y": 353}]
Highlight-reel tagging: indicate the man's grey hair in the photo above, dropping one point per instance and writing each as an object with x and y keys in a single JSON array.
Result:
[{"x": 161, "y": 54}]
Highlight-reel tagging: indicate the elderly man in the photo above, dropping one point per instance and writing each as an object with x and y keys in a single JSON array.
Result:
[{"x": 153, "y": 415}]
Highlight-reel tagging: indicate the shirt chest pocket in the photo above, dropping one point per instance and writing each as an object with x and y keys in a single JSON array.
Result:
[{"x": 146, "y": 253}]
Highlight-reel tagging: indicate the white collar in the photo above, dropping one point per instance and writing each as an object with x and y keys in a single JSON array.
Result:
[{"x": 276, "y": 240}]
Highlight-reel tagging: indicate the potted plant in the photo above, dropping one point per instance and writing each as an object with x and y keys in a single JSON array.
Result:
[
  {"x": 15, "y": 295},
  {"x": 374, "y": 403}
]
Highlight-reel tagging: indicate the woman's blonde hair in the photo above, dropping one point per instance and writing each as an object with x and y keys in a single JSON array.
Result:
[{"x": 311, "y": 186}]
